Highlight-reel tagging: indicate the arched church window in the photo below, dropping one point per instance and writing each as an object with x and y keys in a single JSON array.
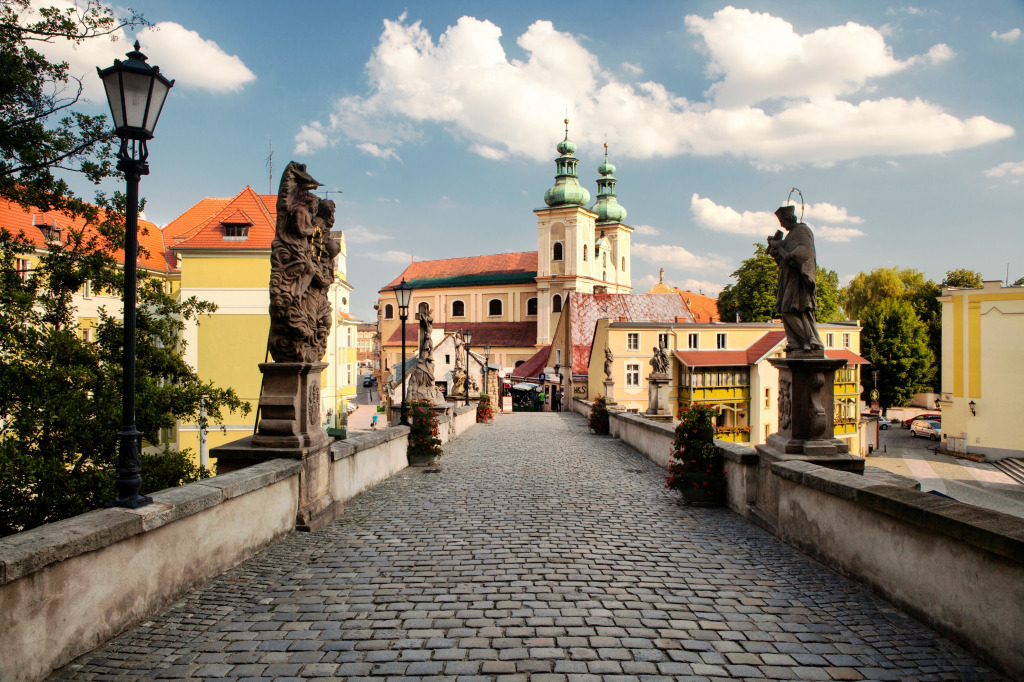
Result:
[
  {"x": 531, "y": 306},
  {"x": 556, "y": 251},
  {"x": 494, "y": 307},
  {"x": 584, "y": 252},
  {"x": 623, "y": 263},
  {"x": 458, "y": 309},
  {"x": 389, "y": 312},
  {"x": 556, "y": 303}
]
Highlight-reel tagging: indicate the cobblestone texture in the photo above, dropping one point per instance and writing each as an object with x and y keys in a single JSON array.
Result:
[{"x": 538, "y": 552}]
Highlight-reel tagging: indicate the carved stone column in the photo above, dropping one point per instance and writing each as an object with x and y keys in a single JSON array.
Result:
[
  {"x": 609, "y": 387},
  {"x": 806, "y": 427}
]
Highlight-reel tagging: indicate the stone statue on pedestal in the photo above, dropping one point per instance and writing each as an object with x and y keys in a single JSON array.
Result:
[
  {"x": 421, "y": 386},
  {"x": 796, "y": 296},
  {"x": 659, "y": 362}
]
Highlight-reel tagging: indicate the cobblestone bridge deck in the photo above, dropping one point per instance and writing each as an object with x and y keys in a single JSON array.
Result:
[{"x": 538, "y": 551}]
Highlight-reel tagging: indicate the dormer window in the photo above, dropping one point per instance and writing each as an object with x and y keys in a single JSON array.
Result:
[
  {"x": 237, "y": 231},
  {"x": 51, "y": 233}
]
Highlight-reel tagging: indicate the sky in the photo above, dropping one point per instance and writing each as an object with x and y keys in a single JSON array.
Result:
[{"x": 437, "y": 121}]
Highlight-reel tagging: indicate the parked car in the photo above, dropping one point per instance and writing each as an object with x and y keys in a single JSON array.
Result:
[
  {"x": 911, "y": 420},
  {"x": 368, "y": 380},
  {"x": 926, "y": 427},
  {"x": 883, "y": 423}
]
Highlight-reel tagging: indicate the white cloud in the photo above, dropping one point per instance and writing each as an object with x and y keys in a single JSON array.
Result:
[
  {"x": 836, "y": 234},
  {"x": 631, "y": 69},
  {"x": 390, "y": 256},
  {"x": 1013, "y": 171},
  {"x": 311, "y": 138},
  {"x": 502, "y": 107},
  {"x": 373, "y": 150},
  {"x": 645, "y": 230},
  {"x": 1008, "y": 37},
  {"x": 677, "y": 256},
  {"x": 711, "y": 216},
  {"x": 358, "y": 234},
  {"x": 701, "y": 286},
  {"x": 193, "y": 61}
]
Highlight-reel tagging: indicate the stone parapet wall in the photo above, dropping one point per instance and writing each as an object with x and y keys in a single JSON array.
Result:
[
  {"x": 956, "y": 567},
  {"x": 68, "y": 587}
]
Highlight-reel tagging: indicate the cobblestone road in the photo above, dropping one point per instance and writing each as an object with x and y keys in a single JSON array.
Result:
[{"x": 539, "y": 551}]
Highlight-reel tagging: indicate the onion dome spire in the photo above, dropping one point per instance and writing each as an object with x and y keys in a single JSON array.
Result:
[
  {"x": 567, "y": 190},
  {"x": 607, "y": 206}
]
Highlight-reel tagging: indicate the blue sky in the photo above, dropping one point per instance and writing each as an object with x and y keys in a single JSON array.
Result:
[{"x": 901, "y": 124}]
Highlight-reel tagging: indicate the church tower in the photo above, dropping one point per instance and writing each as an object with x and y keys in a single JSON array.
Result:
[
  {"x": 565, "y": 241},
  {"x": 611, "y": 249}
]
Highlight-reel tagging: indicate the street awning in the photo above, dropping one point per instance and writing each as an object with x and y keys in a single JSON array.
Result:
[{"x": 525, "y": 386}]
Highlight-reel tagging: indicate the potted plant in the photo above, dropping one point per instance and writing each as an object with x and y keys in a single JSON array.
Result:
[
  {"x": 599, "y": 416},
  {"x": 484, "y": 411},
  {"x": 424, "y": 444},
  {"x": 696, "y": 469}
]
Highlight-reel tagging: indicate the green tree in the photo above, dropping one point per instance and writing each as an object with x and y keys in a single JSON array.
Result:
[
  {"x": 1019, "y": 282},
  {"x": 963, "y": 279},
  {"x": 60, "y": 396},
  {"x": 881, "y": 284},
  {"x": 895, "y": 342},
  {"x": 753, "y": 294},
  {"x": 40, "y": 136}
]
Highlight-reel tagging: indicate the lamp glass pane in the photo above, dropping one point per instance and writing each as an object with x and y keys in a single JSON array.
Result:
[
  {"x": 136, "y": 94},
  {"x": 160, "y": 90},
  {"x": 112, "y": 84}
]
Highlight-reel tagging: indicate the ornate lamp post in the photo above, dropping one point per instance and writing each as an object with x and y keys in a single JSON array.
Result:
[
  {"x": 136, "y": 92},
  {"x": 467, "y": 337},
  {"x": 403, "y": 292}
]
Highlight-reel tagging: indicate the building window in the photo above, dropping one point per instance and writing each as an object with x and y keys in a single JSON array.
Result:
[
  {"x": 87, "y": 335},
  {"x": 632, "y": 341},
  {"x": 458, "y": 309},
  {"x": 23, "y": 267},
  {"x": 693, "y": 341},
  {"x": 389, "y": 312},
  {"x": 494, "y": 307},
  {"x": 531, "y": 306},
  {"x": 623, "y": 264},
  {"x": 239, "y": 232},
  {"x": 766, "y": 434},
  {"x": 846, "y": 340},
  {"x": 87, "y": 289},
  {"x": 830, "y": 340},
  {"x": 584, "y": 252},
  {"x": 556, "y": 303},
  {"x": 558, "y": 356},
  {"x": 556, "y": 251},
  {"x": 768, "y": 398},
  {"x": 633, "y": 374},
  {"x": 348, "y": 337},
  {"x": 447, "y": 359},
  {"x": 721, "y": 341},
  {"x": 662, "y": 340}
]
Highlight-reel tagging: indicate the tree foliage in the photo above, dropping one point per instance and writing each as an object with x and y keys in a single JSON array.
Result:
[
  {"x": 895, "y": 342},
  {"x": 60, "y": 395},
  {"x": 752, "y": 297},
  {"x": 963, "y": 278},
  {"x": 40, "y": 135},
  {"x": 882, "y": 284}
]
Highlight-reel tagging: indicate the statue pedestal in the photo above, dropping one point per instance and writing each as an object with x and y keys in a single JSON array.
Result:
[
  {"x": 658, "y": 407},
  {"x": 289, "y": 428},
  {"x": 806, "y": 428},
  {"x": 609, "y": 386}
]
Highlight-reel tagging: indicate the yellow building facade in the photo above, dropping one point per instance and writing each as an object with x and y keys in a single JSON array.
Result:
[
  {"x": 982, "y": 370},
  {"x": 725, "y": 366}
]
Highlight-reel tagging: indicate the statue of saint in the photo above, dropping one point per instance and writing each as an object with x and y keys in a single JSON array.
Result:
[
  {"x": 796, "y": 298},
  {"x": 608, "y": 359},
  {"x": 659, "y": 362}
]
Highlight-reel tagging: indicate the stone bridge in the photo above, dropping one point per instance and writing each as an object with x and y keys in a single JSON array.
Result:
[{"x": 537, "y": 549}]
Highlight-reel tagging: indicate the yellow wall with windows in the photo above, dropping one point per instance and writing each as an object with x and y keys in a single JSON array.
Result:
[{"x": 982, "y": 362}]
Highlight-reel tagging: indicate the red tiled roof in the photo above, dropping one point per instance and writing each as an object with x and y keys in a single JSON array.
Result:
[
  {"x": 586, "y": 309},
  {"x": 704, "y": 308},
  {"x": 20, "y": 220},
  {"x": 202, "y": 226},
  {"x": 532, "y": 368},
  {"x": 494, "y": 334},
  {"x": 850, "y": 357},
  {"x": 499, "y": 263},
  {"x": 764, "y": 345}
]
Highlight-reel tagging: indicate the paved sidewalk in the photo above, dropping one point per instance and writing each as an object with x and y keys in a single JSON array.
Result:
[{"x": 539, "y": 551}]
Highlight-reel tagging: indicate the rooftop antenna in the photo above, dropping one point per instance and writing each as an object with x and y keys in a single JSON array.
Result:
[
  {"x": 270, "y": 169},
  {"x": 327, "y": 193}
]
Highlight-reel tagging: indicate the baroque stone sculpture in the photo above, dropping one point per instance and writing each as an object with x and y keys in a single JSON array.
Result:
[
  {"x": 608, "y": 359},
  {"x": 301, "y": 270},
  {"x": 659, "y": 362},
  {"x": 796, "y": 296},
  {"x": 421, "y": 386}
]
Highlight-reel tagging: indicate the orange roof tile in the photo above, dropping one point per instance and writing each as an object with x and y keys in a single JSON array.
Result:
[
  {"x": 704, "y": 308},
  {"x": 523, "y": 263},
  {"x": 29, "y": 222},
  {"x": 202, "y": 226}
]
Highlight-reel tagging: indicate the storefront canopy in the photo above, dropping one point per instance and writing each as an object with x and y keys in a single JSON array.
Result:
[{"x": 525, "y": 386}]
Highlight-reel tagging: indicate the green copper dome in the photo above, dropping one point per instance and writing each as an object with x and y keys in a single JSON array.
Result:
[
  {"x": 567, "y": 190},
  {"x": 607, "y": 206}
]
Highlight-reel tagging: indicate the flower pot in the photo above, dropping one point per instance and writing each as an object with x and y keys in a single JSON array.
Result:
[
  {"x": 704, "y": 490},
  {"x": 417, "y": 460}
]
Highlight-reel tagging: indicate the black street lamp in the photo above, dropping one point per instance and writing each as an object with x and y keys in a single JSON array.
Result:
[
  {"x": 403, "y": 292},
  {"x": 467, "y": 337},
  {"x": 136, "y": 92},
  {"x": 487, "y": 370}
]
